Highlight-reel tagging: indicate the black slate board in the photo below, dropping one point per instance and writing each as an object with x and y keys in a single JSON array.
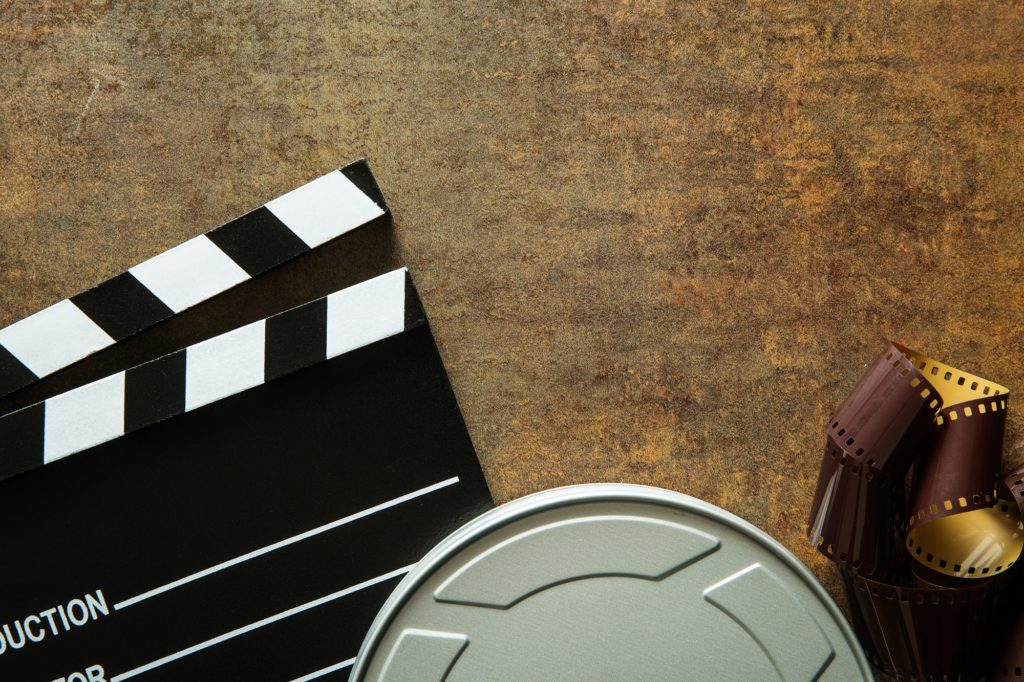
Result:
[{"x": 229, "y": 478}]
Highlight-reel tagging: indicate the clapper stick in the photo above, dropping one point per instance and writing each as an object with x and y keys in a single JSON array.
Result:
[
  {"x": 190, "y": 378},
  {"x": 188, "y": 274}
]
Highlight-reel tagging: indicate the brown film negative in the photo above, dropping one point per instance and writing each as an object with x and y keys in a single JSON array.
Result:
[
  {"x": 956, "y": 524},
  {"x": 859, "y": 516},
  {"x": 889, "y": 411},
  {"x": 1008, "y": 652},
  {"x": 1008, "y": 661},
  {"x": 872, "y": 441},
  {"x": 921, "y": 570},
  {"x": 1013, "y": 487},
  {"x": 922, "y": 633},
  {"x": 962, "y": 468}
]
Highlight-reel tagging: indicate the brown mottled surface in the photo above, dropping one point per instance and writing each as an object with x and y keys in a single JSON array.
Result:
[{"x": 658, "y": 241}]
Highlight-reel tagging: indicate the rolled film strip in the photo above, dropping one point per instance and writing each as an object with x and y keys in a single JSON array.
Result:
[
  {"x": 872, "y": 442},
  {"x": 188, "y": 274},
  {"x": 208, "y": 371},
  {"x": 893, "y": 621},
  {"x": 956, "y": 525},
  {"x": 1013, "y": 483},
  {"x": 920, "y": 569},
  {"x": 1009, "y": 654}
]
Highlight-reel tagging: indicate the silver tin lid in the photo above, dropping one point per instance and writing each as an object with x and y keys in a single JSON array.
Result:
[{"x": 609, "y": 582}]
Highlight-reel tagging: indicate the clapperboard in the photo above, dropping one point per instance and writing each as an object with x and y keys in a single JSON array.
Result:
[{"x": 237, "y": 509}]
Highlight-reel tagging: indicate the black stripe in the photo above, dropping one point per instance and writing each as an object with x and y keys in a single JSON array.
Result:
[
  {"x": 13, "y": 374},
  {"x": 360, "y": 176},
  {"x": 122, "y": 306},
  {"x": 295, "y": 339},
  {"x": 414, "y": 313},
  {"x": 258, "y": 241},
  {"x": 154, "y": 391},
  {"x": 21, "y": 440}
]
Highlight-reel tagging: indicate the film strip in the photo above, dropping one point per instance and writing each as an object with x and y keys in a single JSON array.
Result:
[
  {"x": 187, "y": 275},
  {"x": 208, "y": 371},
  {"x": 922, "y": 569},
  {"x": 1009, "y": 661},
  {"x": 908, "y": 632}
]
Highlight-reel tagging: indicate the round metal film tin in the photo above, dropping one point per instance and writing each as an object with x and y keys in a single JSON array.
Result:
[{"x": 609, "y": 582}]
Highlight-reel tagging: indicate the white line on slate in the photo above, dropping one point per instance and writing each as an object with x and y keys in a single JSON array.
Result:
[
  {"x": 261, "y": 623},
  {"x": 287, "y": 541},
  {"x": 326, "y": 671}
]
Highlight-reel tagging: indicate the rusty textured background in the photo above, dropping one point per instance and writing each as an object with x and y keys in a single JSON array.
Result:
[{"x": 658, "y": 240}]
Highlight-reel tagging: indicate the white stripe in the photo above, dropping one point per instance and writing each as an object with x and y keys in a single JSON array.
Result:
[
  {"x": 366, "y": 312},
  {"x": 824, "y": 509},
  {"x": 324, "y": 209},
  {"x": 189, "y": 273},
  {"x": 288, "y": 541},
  {"x": 224, "y": 365},
  {"x": 326, "y": 671},
  {"x": 54, "y": 338},
  {"x": 84, "y": 417},
  {"x": 262, "y": 623}
]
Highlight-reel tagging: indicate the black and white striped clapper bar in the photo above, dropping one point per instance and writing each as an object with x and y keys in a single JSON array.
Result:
[
  {"x": 188, "y": 274},
  {"x": 240, "y": 508}
]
